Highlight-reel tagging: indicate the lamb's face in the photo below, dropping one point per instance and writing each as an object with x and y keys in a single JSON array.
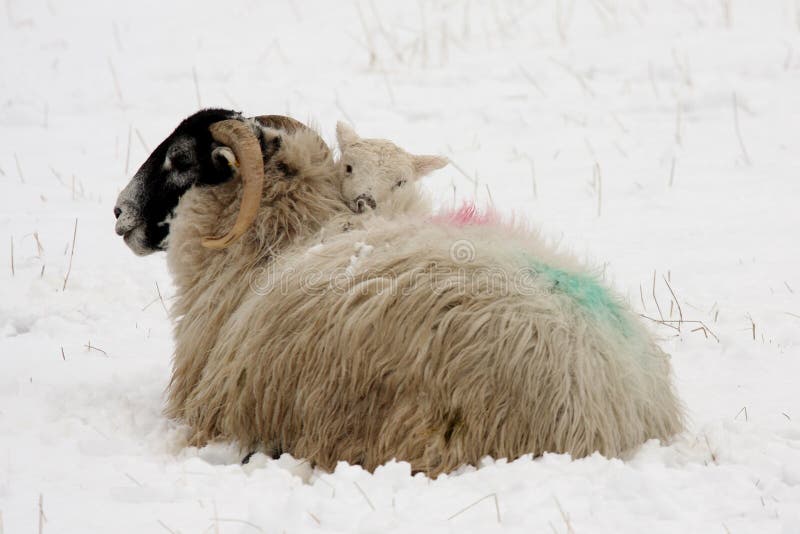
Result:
[
  {"x": 372, "y": 169},
  {"x": 188, "y": 157}
]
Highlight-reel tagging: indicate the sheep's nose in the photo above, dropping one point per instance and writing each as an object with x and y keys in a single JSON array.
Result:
[
  {"x": 128, "y": 217},
  {"x": 364, "y": 200}
]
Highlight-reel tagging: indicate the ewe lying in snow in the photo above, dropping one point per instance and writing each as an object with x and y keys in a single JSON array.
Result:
[{"x": 434, "y": 340}]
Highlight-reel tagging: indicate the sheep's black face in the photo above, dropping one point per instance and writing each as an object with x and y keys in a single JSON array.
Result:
[{"x": 184, "y": 159}]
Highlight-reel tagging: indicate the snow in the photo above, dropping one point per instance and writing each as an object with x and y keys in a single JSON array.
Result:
[
  {"x": 362, "y": 250},
  {"x": 656, "y": 139}
]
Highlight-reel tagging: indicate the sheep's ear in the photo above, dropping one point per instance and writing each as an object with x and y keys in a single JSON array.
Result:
[
  {"x": 427, "y": 164},
  {"x": 224, "y": 161},
  {"x": 345, "y": 135}
]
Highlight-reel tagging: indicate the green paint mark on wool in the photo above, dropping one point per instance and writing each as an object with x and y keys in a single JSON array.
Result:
[{"x": 585, "y": 291}]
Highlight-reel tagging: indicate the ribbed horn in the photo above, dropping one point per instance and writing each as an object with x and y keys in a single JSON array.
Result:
[{"x": 241, "y": 140}]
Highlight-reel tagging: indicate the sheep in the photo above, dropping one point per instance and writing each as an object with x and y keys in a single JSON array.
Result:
[
  {"x": 376, "y": 172},
  {"x": 432, "y": 340}
]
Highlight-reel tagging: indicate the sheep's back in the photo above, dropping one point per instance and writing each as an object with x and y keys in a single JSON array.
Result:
[{"x": 436, "y": 345}]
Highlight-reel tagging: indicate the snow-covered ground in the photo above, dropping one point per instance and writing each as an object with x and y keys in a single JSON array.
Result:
[{"x": 659, "y": 139}]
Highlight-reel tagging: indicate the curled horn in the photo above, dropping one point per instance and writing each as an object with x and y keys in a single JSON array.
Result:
[{"x": 241, "y": 140}]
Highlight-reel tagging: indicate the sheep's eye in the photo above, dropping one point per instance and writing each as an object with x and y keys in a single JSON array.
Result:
[
  {"x": 349, "y": 169},
  {"x": 181, "y": 161}
]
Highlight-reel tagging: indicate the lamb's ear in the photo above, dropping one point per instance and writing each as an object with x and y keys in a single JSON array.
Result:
[
  {"x": 345, "y": 135},
  {"x": 427, "y": 164}
]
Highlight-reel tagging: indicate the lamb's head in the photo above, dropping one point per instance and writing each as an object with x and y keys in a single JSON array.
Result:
[
  {"x": 209, "y": 148},
  {"x": 372, "y": 169}
]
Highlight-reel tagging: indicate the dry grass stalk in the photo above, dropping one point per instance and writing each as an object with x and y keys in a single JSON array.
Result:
[
  {"x": 240, "y": 521},
  {"x": 386, "y": 35},
  {"x": 19, "y": 168},
  {"x": 364, "y": 495},
  {"x": 675, "y": 298},
  {"x": 672, "y": 173},
  {"x": 134, "y": 480},
  {"x": 230, "y": 99},
  {"x": 489, "y": 192},
  {"x": 315, "y": 518},
  {"x": 653, "y": 80},
  {"x": 745, "y": 155},
  {"x": 655, "y": 299},
  {"x": 165, "y": 527},
  {"x": 753, "y": 326},
  {"x": 388, "y": 82},
  {"x": 565, "y": 517},
  {"x": 675, "y": 325},
  {"x": 339, "y": 105},
  {"x": 641, "y": 297},
  {"x": 496, "y": 504},
  {"x": 42, "y": 517},
  {"x": 128, "y": 152},
  {"x": 141, "y": 140},
  {"x": 373, "y": 56},
  {"x": 69, "y": 267},
  {"x": 63, "y": 356},
  {"x": 598, "y": 180},
  {"x": 683, "y": 67},
  {"x": 575, "y": 74},
  {"x": 216, "y": 519},
  {"x": 462, "y": 171},
  {"x": 117, "y": 86},
  {"x": 161, "y": 298},
  {"x": 727, "y": 13},
  {"x": 744, "y": 409},
  {"x": 531, "y": 80},
  {"x": 564, "y": 19},
  {"x": 39, "y": 247},
  {"x": 710, "y": 450},
  {"x": 89, "y": 347},
  {"x": 196, "y": 87},
  {"x": 619, "y": 123}
]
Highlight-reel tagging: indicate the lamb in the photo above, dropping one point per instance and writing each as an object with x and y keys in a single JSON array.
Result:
[
  {"x": 376, "y": 172},
  {"x": 444, "y": 340}
]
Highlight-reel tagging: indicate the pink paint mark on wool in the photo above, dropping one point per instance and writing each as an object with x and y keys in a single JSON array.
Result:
[{"x": 468, "y": 214}]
